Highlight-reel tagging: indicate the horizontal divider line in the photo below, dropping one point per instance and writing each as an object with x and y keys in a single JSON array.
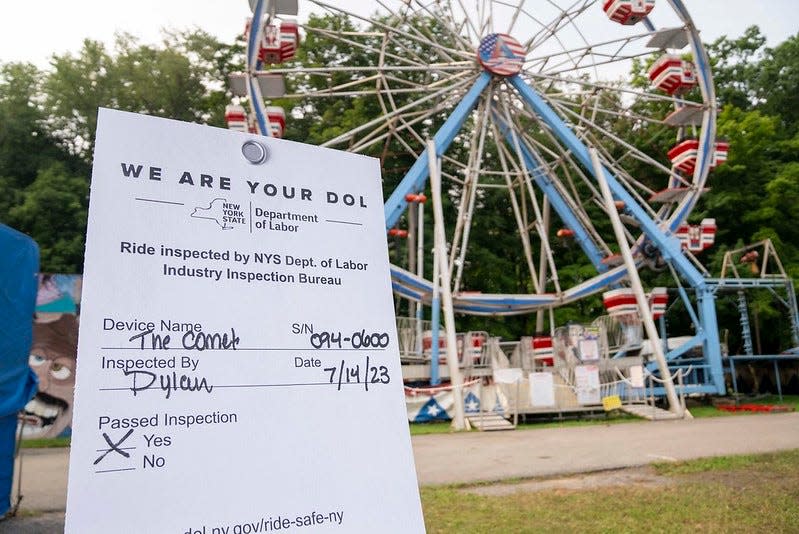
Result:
[
  {"x": 251, "y": 386},
  {"x": 344, "y": 222},
  {"x": 238, "y": 349}
]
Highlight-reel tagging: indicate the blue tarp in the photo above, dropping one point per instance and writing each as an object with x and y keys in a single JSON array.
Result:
[{"x": 19, "y": 263}]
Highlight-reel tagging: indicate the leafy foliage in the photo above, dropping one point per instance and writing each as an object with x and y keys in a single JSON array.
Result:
[{"x": 48, "y": 121}]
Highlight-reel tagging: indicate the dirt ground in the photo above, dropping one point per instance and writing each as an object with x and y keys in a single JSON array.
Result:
[{"x": 642, "y": 477}]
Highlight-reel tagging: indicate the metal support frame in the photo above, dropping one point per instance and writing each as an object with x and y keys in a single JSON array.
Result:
[
  {"x": 416, "y": 176},
  {"x": 253, "y": 65},
  {"x": 746, "y": 331},
  {"x": 668, "y": 245},
  {"x": 542, "y": 179},
  {"x": 442, "y": 262},
  {"x": 793, "y": 311},
  {"x": 675, "y": 406}
]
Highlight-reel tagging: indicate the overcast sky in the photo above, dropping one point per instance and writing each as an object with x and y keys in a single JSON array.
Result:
[{"x": 33, "y": 31}]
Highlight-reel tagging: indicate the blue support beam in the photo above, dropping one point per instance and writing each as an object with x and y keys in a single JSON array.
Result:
[
  {"x": 668, "y": 245},
  {"x": 676, "y": 352},
  {"x": 544, "y": 182},
  {"x": 705, "y": 76},
  {"x": 711, "y": 347},
  {"x": 417, "y": 175},
  {"x": 253, "y": 64}
]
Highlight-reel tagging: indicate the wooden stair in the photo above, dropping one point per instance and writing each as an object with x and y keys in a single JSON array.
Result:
[
  {"x": 488, "y": 422},
  {"x": 652, "y": 413}
]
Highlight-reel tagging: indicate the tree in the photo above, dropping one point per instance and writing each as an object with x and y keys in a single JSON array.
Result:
[
  {"x": 48, "y": 123},
  {"x": 178, "y": 79},
  {"x": 734, "y": 63},
  {"x": 53, "y": 210},
  {"x": 778, "y": 83},
  {"x": 24, "y": 139}
]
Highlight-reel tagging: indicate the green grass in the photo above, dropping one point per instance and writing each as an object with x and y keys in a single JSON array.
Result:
[
  {"x": 716, "y": 463},
  {"x": 731, "y": 494},
  {"x": 419, "y": 429},
  {"x": 45, "y": 443}
]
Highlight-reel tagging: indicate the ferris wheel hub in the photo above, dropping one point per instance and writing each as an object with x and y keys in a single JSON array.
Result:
[{"x": 501, "y": 54}]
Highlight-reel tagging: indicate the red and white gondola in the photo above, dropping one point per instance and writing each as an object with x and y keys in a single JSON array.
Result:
[
  {"x": 697, "y": 238},
  {"x": 543, "y": 351},
  {"x": 684, "y": 154},
  {"x": 658, "y": 302},
  {"x": 236, "y": 118},
  {"x": 628, "y": 12},
  {"x": 672, "y": 74}
]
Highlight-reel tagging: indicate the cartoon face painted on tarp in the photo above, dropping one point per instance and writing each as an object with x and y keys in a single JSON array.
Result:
[{"x": 53, "y": 355}]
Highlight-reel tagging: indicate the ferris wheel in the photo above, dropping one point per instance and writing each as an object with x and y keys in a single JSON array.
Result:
[{"x": 516, "y": 97}]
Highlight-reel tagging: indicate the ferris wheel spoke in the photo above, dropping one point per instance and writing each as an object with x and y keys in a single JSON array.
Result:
[
  {"x": 540, "y": 224},
  {"x": 572, "y": 22},
  {"x": 622, "y": 113},
  {"x": 569, "y": 57},
  {"x": 552, "y": 28},
  {"x": 623, "y": 176},
  {"x": 407, "y": 120},
  {"x": 517, "y": 10},
  {"x": 417, "y": 32},
  {"x": 453, "y": 29},
  {"x": 612, "y": 136},
  {"x": 345, "y": 39},
  {"x": 457, "y": 66},
  {"x": 389, "y": 131},
  {"x": 633, "y": 186},
  {"x": 393, "y": 30},
  {"x": 566, "y": 184},
  {"x": 491, "y": 16},
  {"x": 623, "y": 42},
  {"x": 471, "y": 185},
  {"x": 386, "y": 131},
  {"x": 461, "y": 84},
  {"x": 570, "y": 197},
  {"x": 561, "y": 158},
  {"x": 471, "y": 27},
  {"x": 520, "y": 216},
  {"x": 577, "y": 67},
  {"x": 531, "y": 77}
]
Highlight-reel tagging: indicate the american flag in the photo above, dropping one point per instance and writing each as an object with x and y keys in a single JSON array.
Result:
[{"x": 501, "y": 54}]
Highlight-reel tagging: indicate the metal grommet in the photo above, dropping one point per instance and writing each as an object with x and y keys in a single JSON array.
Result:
[{"x": 254, "y": 152}]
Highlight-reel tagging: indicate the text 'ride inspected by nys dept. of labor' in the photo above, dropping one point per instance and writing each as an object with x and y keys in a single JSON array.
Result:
[{"x": 238, "y": 366}]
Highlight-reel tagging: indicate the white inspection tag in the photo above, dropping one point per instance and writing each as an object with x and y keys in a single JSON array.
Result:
[{"x": 238, "y": 366}]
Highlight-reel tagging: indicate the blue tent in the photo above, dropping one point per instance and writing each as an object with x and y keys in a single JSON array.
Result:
[{"x": 19, "y": 263}]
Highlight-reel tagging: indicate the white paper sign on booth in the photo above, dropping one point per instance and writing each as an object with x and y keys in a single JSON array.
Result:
[
  {"x": 511, "y": 375},
  {"x": 238, "y": 365},
  {"x": 637, "y": 376},
  {"x": 542, "y": 390},
  {"x": 589, "y": 345},
  {"x": 586, "y": 382}
]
